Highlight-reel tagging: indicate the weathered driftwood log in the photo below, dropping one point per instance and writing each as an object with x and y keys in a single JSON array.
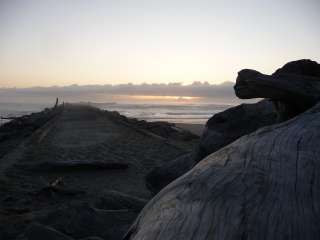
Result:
[
  {"x": 221, "y": 129},
  {"x": 298, "y": 89},
  {"x": 295, "y": 87},
  {"x": 265, "y": 185},
  {"x": 304, "y": 67}
]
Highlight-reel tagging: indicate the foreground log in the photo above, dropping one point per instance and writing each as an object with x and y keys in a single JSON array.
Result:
[{"x": 262, "y": 186}]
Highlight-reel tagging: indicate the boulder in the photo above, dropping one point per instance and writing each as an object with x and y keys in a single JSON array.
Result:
[
  {"x": 263, "y": 186},
  {"x": 114, "y": 200},
  {"x": 225, "y": 127},
  {"x": 161, "y": 176},
  {"x": 221, "y": 129}
]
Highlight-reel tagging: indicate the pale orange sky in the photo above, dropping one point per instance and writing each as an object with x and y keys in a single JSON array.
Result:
[{"x": 46, "y": 42}]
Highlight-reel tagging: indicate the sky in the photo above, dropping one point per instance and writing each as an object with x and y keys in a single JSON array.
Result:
[{"x": 62, "y": 42}]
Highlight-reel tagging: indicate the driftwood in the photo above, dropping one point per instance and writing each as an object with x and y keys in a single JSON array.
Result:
[
  {"x": 285, "y": 87},
  {"x": 295, "y": 93},
  {"x": 263, "y": 186}
]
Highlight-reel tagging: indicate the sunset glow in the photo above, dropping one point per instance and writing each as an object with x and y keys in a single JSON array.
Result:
[
  {"x": 59, "y": 43},
  {"x": 151, "y": 98}
]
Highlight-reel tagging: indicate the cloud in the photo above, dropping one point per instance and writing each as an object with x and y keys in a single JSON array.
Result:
[{"x": 89, "y": 92}]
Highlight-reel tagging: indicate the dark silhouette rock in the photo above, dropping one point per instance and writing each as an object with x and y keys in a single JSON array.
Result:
[
  {"x": 73, "y": 165},
  {"x": 161, "y": 176},
  {"x": 114, "y": 200},
  {"x": 262, "y": 186},
  {"x": 162, "y": 129},
  {"x": 221, "y": 129},
  {"x": 225, "y": 127}
]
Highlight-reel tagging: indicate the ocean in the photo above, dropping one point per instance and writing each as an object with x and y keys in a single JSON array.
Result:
[{"x": 176, "y": 113}]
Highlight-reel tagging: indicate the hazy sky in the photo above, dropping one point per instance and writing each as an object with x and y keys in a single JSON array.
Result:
[{"x": 63, "y": 42}]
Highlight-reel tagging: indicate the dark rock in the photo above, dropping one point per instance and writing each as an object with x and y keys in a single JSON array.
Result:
[
  {"x": 72, "y": 165},
  {"x": 227, "y": 126},
  {"x": 221, "y": 129},
  {"x": 262, "y": 186},
  {"x": 83, "y": 221},
  {"x": 37, "y": 231},
  {"x": 159, "y": 128},
  {"x": 161, "y": 176},
  {"x": 114, "y": 200},
  {"x": 14, "y": 132}
]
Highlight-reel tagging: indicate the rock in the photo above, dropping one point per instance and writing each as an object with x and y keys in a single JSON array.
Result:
[
  {"x": 161, "y": 176},
  {"x": 37, "y": 231},
  {"x": 73, "y": 165},
  {"x": 114, "y": 200},
  {"x": 221, "y": 129},
  {"x": 91, "y": 238},
  {"x": 263, "y": 186},
  {"x": 81, "y": 221},
  {"x": 159, "y": 128},
  {"x": 295, "y": 87}
]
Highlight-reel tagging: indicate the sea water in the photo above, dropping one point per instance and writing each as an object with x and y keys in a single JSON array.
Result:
[{"x": 176, "y": 113}]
